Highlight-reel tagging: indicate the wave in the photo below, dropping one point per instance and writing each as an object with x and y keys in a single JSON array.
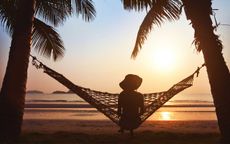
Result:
[
  {"x": 176, "y": 103},
  {"x": 86, "y": 105},
  {"x": 189, "y": 105},
  {"x": 82, "y": 101},
  {"x": 45, "y": 105},
  {"x": 191, "y": 101},
  {"x": 78, "y": 101}
]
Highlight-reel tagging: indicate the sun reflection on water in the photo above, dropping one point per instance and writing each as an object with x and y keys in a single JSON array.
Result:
[{"x": 166, "y": 115}]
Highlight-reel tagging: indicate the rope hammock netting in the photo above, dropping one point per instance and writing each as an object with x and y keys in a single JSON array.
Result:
[{"x": 107, "y": 103}]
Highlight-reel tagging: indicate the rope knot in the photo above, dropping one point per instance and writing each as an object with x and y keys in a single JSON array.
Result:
[
  {"x": 36, "y": 62},
  {"x": 197, "y": 72}
]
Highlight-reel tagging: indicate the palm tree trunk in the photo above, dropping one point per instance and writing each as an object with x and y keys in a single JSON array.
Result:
[
  {"x": 12, "y": 95},
  {"x": 219, "y": 78}
]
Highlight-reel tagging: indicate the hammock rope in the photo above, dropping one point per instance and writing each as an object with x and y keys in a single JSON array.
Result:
[{"x": 107, "y": 103}]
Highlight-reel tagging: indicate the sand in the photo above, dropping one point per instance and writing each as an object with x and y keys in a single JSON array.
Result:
[
  {"x": 106, "y": 126},
  {"x": 105, "y": 131}
]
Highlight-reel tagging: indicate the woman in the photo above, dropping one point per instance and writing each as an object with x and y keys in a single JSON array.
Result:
[{"x": 130, "y": 103}]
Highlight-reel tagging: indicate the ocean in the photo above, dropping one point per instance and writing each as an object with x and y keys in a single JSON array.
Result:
[{"x": 71, "y": 106}]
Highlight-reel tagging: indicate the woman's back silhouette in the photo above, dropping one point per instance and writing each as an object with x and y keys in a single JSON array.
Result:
[{"x": 130, "y": 103}]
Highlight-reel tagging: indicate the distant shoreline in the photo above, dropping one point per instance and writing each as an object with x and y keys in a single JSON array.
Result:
[
  {"x": 34, "y": 92},
  {"x": 54, "y": 92}
]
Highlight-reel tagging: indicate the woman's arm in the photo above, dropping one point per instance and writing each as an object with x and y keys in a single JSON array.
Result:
[
  {"x": 119, "y": 106},
  {"x": 142, "y": 110}
]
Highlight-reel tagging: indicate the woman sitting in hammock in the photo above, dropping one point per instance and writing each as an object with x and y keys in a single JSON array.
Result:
[{"x": 130, "y": 103}]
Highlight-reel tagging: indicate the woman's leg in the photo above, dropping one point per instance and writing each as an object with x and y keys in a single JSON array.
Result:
[
  {"x": 121, "y": 130},
  {"x": 131, "y": 132}
]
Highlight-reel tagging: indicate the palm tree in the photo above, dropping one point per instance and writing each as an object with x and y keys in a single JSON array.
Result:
[
  {"x": 205, "y": 40},
  {"x": 18, "y": 17}
]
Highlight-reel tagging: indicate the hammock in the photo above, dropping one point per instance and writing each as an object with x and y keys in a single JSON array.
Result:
[{"x": 107, "y": 103}]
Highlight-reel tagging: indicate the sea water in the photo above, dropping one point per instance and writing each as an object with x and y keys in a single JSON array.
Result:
[{"x": 71, "y": 106}]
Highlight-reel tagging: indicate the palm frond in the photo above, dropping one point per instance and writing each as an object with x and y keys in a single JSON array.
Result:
[
  {"x": 56, "y": 11},
  {"x": 53, "y": 11},
  {"x": 85, "y": 8},
  {"x": 7, "y": 14},
  {"x": 198, "y": 44},
  {"x": 46, "y": 40},
  {"x": 137, "y": 5},
  {"x": 162, "y": 10}
]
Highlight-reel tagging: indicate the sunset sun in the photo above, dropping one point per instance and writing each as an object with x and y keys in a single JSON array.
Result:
[{"x": 163, "y": 59}]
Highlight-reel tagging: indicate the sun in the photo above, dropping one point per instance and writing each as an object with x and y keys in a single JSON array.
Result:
[{"x": 163, "y": 59}]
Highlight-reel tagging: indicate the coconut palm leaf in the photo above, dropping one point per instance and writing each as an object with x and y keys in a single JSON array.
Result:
[
  {"x": 56, "y": 11},
  {"x": 53, "y": 11},
  {"x": 137, "y": 5},
  {"x": 160, "y": 11},
  {"x": 85, "y": 8},
  {"x": 7, "y": 14},
  {"x": 46, "y": 40}
]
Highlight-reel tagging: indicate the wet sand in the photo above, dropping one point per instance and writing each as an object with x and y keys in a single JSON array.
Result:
[
  {"x": 105, "y": 131},
  {"x": 106, "y": 126}
]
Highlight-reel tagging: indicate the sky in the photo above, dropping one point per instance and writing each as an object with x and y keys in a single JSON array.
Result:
[{"x": 98, "y": 53}]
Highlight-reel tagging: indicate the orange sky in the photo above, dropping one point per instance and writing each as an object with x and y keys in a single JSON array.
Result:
[{"x": 98, "y": 53}]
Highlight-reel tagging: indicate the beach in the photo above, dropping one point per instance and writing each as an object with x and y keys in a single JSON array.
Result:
[
  {"x": 108, "y": 127},
  {"x": 105, "y": 131},
  {"x": 62, "y": 119}
]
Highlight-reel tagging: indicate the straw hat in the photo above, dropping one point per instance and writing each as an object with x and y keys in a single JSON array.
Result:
[{"x": 131, "y": 82}]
